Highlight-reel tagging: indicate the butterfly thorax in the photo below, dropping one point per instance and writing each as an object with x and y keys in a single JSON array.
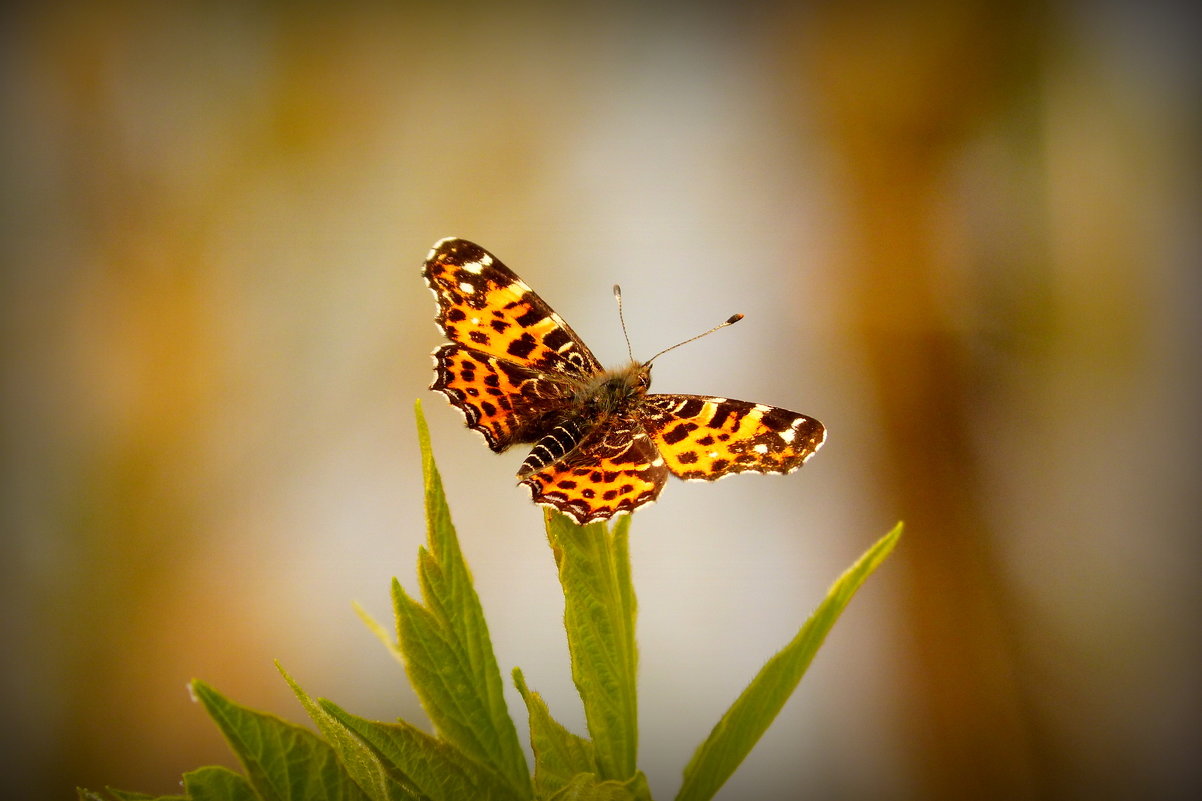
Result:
[
  {"x": 614, "y": 391},
  {"x": 596, "y": 400}
]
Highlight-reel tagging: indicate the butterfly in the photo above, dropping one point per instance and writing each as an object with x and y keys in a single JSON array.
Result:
[{"x": 602, "y": 445}]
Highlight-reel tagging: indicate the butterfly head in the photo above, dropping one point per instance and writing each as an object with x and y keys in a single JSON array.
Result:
[
  {"x": 613, "y": 391},
  {"x": 638, "y": 377}
]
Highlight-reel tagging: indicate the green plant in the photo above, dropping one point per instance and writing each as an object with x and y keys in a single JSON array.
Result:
[{"x": 444, "y": 643}]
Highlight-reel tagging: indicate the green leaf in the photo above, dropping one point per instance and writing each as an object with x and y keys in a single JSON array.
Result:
[
  {"x": 358, "y": 759},
  {"x": 437, "y": 769},
  {"x": 215, "y": 783},
  {"x": 637, "y": 787},
  {"x": 559, "y": 755},
  {"x": 125, "y": 795},
  {"x": 283, "y": 761},
  {"x": 377, "y": 628},
  {"x": 599, "y": 614},
  {"x": 587, "y": 787},
  {"x": 757, "y": 706},
  {"x": 447, "y": 651}
]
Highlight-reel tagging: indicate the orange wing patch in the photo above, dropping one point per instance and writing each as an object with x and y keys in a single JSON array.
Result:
[
  {"x": 702, "y": 438},
  {"x": 615, "y": 469}
]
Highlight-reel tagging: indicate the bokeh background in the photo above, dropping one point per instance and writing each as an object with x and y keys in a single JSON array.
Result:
[{"x": 965, "y": 236}]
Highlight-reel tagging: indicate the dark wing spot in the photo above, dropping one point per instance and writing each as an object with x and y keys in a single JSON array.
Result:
[
  {"x": 488, "y": 408},
  {"x": 678, "y": 432},
  {"x": 455, "y": 315},
  {"x": 478, "y": 336},
  {"x": 778, "y": 419},
  {"x": 723, "y": 411},
  {"x": 688, "y": 457},
  {"x": 531, "y": 317},
  {"x": 556, "y": 338},
  {"x": 706, "y": 441},
  {"x": 718, "y": 465},
  {"x": 522, "y": 347},
  {"x": 566, "y": 484},
  {"x": 609, "y": 495}
]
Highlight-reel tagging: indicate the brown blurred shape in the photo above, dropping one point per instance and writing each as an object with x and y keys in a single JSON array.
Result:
[{"x": 900, "y": 88}]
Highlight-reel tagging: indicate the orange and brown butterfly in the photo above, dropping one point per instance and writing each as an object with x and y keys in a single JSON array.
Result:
[{"x": 602, "y": 445}]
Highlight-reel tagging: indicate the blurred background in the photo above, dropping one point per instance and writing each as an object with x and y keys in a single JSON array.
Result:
[{"x": 965, "y": 236}]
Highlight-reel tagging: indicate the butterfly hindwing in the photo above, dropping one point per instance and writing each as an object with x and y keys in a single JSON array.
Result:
[
  {"x": 615, "y": 469},
  {"x": 707, "y": 438},
  {"x": 504, "y": 401}
]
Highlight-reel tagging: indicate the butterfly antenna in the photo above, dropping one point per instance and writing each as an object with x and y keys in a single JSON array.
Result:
[
  {"x": 731, "y": 321},
  {"x": 622, "y": 320}
]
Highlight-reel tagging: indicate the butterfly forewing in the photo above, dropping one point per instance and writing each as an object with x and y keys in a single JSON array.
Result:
[
  {"x": 707, "y": 438},
  {"x": 483, "y": 305}
]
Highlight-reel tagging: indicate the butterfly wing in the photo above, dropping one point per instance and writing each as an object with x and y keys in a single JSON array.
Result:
[
  {"x": 504, "y": 401},
  {"x": 705, "y": 438},
  {"x": 614, "y": 469},
  {"x": 484, "y": 306},
  {"x": 512, "y": 364}
]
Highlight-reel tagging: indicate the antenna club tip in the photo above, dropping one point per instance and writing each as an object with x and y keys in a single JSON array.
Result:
[
  {"x": 734, "y": 318},
  {"x": 617, "y": 291}
]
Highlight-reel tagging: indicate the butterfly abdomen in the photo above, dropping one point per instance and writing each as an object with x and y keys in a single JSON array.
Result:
[{"x": 557, "y": 443}]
